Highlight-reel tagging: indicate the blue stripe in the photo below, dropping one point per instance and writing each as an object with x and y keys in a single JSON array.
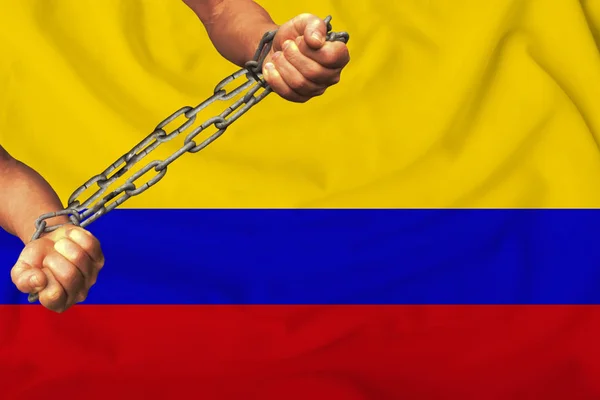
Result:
[{"x": 341, "y": 256}]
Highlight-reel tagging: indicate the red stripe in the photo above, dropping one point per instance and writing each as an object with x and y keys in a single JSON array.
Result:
[{"x": 282, "y": 352}]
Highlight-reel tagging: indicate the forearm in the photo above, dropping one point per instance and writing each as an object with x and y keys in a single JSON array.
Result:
[
  {"x": 235, "y": 27},
  {"x": 24, "y": 196}
]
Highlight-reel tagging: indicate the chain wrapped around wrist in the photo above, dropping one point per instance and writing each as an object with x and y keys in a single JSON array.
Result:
[{"x": 83, "y": 212}]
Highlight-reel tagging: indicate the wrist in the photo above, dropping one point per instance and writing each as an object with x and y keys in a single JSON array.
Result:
[
  {"x": 235, "y": 27},
  {"x": 25, "y": 197},
  {"x": 27, "y": 230},
  {"x": 254, "y": 38},
  {"x": 238, "y": 42}
]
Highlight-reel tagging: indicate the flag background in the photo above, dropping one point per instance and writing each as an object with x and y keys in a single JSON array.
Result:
[{"x": 466, "y": 133}]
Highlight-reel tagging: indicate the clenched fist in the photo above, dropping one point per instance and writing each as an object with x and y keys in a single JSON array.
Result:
[
  {"x": 61, "y": 267},
  {"x": 301, "y": 63}
]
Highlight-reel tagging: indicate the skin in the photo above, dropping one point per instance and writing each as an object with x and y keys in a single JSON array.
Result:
[
  {"x": 63, "y": 265},
  {"x": 300, "y": 65}
]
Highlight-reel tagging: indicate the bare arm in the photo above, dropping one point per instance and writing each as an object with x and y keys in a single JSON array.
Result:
[
  {"x": 235, "y": 27},
  {"x": 24, "y": 196},
  {"x": 62, "y": 265}
]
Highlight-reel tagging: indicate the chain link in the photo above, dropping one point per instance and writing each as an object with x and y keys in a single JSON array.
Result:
[{"x": 83, "y": 213}]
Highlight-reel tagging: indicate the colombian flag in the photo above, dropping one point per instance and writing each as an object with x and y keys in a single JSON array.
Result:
[{"x": 425, "y": 230}]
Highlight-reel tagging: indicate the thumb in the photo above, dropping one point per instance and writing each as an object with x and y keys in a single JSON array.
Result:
[
  {"x": 27, "y": 274},
  {"x": 314, "y": 30},
  {"x": 28, "y": 279}
]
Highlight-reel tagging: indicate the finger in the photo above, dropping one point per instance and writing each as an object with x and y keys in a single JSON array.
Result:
[
  {"x": 53, "y": 296},
  {"x": 79, "y": 258},
  {"x": 312, "y": 28},
  {"x": 26, "y": 274},
  {"x": 67, "y": 275},
  {"x": 332, "y": 55},
  {"x": 88, "y": 243},
  {"x": 309, "y": 68},
  {"x": 293, "y": 78},
  {"x": 274, "y": 79},
  {"x": 28, "y": 279}
]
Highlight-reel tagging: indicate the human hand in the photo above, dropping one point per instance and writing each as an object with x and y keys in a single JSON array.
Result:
[
  {"x": 60, "y": 266},
  {"x": 301, "y": 63}
]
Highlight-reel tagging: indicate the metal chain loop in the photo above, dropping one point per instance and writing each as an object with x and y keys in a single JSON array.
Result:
[{"x": 82, "y": 213}]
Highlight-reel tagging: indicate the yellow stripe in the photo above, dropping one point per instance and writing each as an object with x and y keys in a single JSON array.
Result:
[{"x": 463, "y": 103}]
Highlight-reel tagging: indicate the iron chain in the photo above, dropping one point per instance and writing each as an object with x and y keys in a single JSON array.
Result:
[{"x": 82, "y": 213}]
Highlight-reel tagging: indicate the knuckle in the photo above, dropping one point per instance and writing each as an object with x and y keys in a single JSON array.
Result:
[
  {"x": 53, "y": 295},
  {"x": 84, "y": 232},
  {"x": 288, "y": 95},
  {"x": 330, "y": 58},
  {"x": 313, "y": 73},
  {"x": 82, "y": 237},
  {"x": 332, "y": 55},
  {"x": 16, "y": 272},
  {"x": 345, "y": 56},
  {"x": 318, "y": 91},
  {"x": 29, "y": 252},
  {"x": 53, "y": 261},
  {"x": 284, "y": 91},
  {"x": 21, "y": 287},
  {"x": 22, "y": 281},
  {"x": 290, "y": 52},
  {"x": 303, "y": 16},
  {"x": 278, "y": 62},
  {"x": 339, "y": 48},
  {"x": 99, "y": 264},
  {"x": 61, "y": 231},
  {"x": 80, "y": 298},
  {"x": 71, "y": 275},
  {"x": 62, "y": 269},
  {"x": 297, "y": 84},
  {"x": 78, "y": 257}
]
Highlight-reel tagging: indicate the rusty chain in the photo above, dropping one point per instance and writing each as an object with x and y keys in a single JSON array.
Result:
[{"x": 83, "y": 213}]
